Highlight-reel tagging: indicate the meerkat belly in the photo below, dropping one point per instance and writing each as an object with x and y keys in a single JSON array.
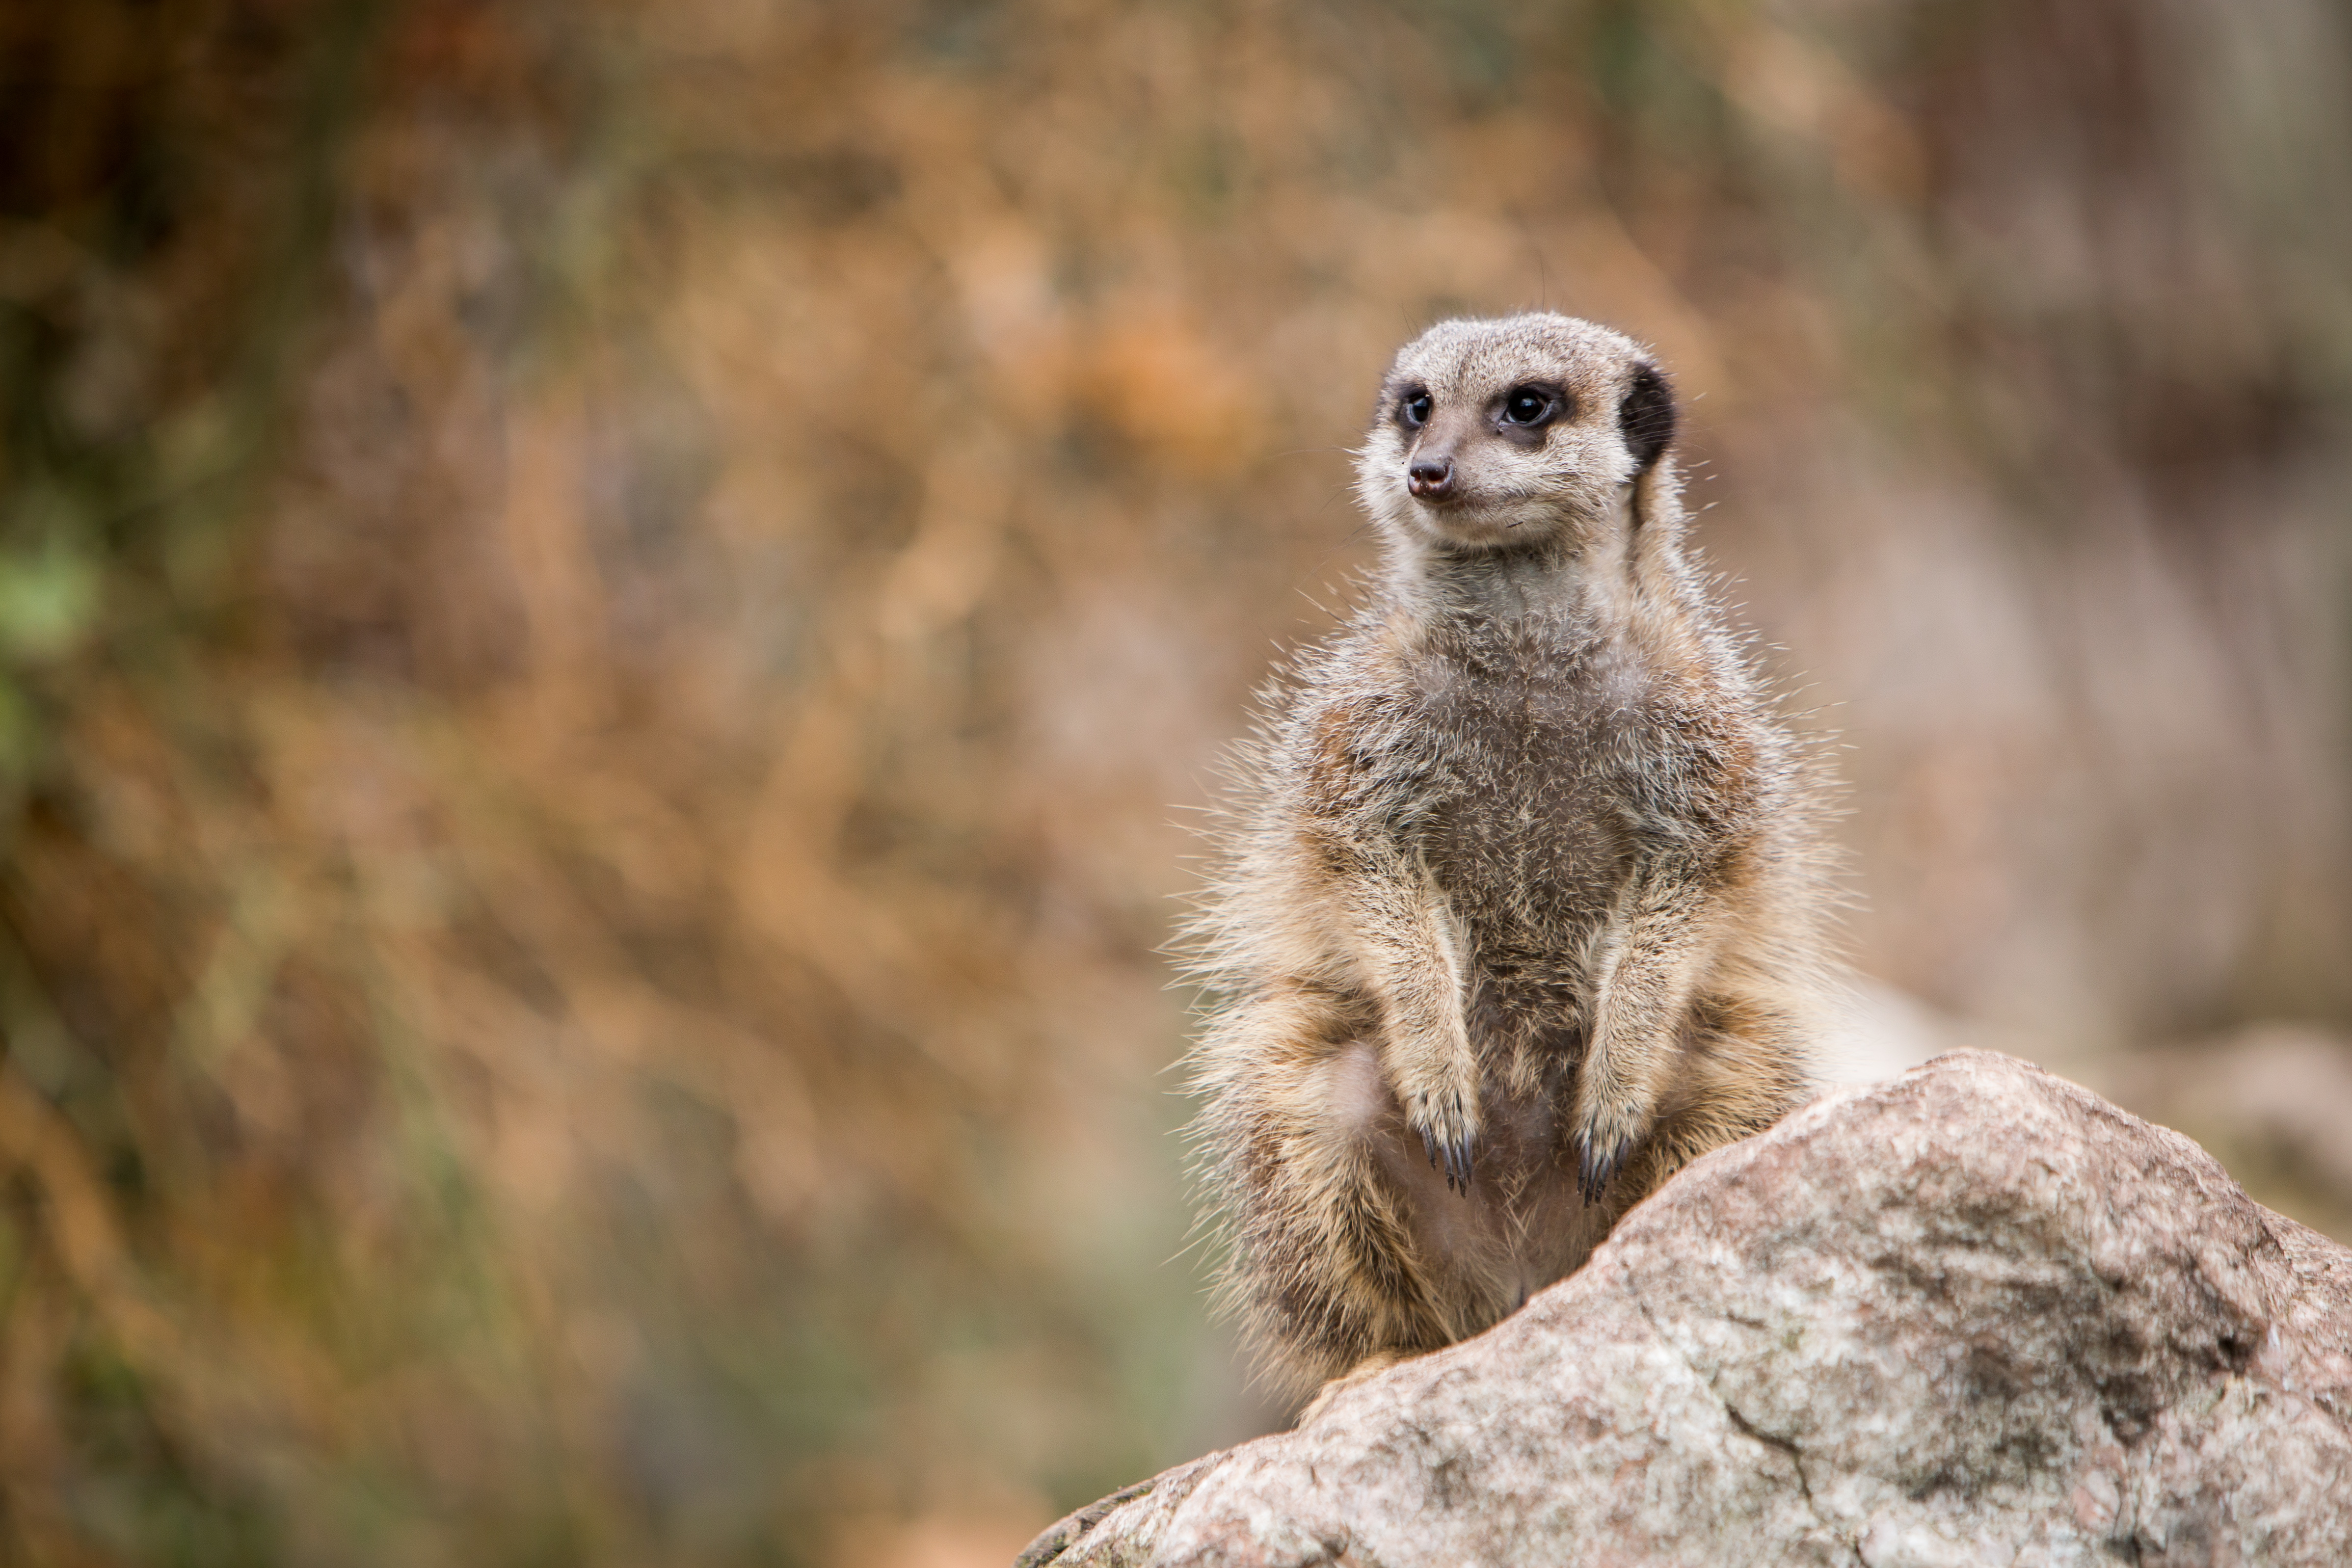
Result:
[{"x": 1522, "y": 1223}]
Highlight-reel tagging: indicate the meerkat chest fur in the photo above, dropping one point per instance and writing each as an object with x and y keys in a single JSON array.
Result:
[
  {"x": 1519, "y": 910},
  {"x": 1523, "y": 827}
]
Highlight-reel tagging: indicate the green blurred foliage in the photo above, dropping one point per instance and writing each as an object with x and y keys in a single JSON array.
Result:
[{"x": 602, "y": 609}]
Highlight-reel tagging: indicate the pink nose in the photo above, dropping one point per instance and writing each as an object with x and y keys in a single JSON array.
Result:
[{"x": 1432, "y": 479}]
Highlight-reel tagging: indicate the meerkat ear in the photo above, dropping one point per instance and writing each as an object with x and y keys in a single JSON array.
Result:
[{"x": 1647, "y": 416}]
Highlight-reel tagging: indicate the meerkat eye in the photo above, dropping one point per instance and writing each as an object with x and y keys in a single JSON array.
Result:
[
  {"x": 1527, "y": 405},
  {"x": 1412, "y": 410}
]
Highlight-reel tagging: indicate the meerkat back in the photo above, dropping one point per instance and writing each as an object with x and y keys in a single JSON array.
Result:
[{"x": 1518, "y": 905}]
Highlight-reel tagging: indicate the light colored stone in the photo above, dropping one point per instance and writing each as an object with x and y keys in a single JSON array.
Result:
[{"x": 1973, "y": 1315}]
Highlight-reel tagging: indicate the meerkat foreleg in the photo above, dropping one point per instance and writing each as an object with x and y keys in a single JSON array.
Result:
[
  {"x": 1647, "y": 964},
  {"x": 1411, "y": 952}
]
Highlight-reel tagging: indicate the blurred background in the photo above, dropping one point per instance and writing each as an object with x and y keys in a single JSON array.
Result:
[{"x": 611, "y": 616}]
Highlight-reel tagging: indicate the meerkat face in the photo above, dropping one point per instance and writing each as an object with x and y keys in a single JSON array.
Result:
[{"x": 1495, "y": 434}]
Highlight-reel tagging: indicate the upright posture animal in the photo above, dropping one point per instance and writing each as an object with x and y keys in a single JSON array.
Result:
[{"x": 1519, "y": 904}]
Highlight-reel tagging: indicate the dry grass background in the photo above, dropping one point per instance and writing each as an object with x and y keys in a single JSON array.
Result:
[{"x": 608, "y": 612}]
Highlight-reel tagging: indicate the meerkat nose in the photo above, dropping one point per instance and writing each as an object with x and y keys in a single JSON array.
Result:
[{"x": 1432, "y": 479}]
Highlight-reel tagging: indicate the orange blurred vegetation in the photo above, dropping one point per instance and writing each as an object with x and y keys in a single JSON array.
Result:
[{"x": 605, "y": 611}]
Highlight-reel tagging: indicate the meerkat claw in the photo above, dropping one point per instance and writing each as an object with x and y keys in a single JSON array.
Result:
[
  {"x": 1452, "y": 1156},
  {"x": 1594, "y": 1171},
  {"x": 1446, "y": 1142}
]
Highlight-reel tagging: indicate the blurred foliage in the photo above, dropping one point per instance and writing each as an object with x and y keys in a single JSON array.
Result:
[{"x": 603, "y": 608}]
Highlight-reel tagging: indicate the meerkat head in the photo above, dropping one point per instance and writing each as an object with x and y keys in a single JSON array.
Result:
[{"x": 1515, "y": 432}]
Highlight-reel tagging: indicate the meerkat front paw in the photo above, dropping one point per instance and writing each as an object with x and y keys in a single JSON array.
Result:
[
  {"x": 1611, "y": 1121},
  {"x": 1447, "y": 1121}
]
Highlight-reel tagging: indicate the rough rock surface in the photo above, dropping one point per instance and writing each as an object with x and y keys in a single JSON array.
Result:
[{"x": 1975, "y": 1315}]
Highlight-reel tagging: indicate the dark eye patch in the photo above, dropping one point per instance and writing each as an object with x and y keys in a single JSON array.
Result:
[
  {"x": 1523, "y": 413},
  {"x": 1529, "y": 405},
  {"x": 1413, "y": 406},
  {"x": 1646, "y": 417}
]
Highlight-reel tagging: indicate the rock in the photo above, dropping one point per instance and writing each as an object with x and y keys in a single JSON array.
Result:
[
  {"x": 1973, "y": 1315},
  {"x": 2274, "y": 1101}
]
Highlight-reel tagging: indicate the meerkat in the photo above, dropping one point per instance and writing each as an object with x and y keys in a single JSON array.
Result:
[{"x": 1520, "y": 904}]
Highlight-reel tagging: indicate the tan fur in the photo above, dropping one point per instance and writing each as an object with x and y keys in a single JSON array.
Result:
[{"x": 1521, "y": 885}]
